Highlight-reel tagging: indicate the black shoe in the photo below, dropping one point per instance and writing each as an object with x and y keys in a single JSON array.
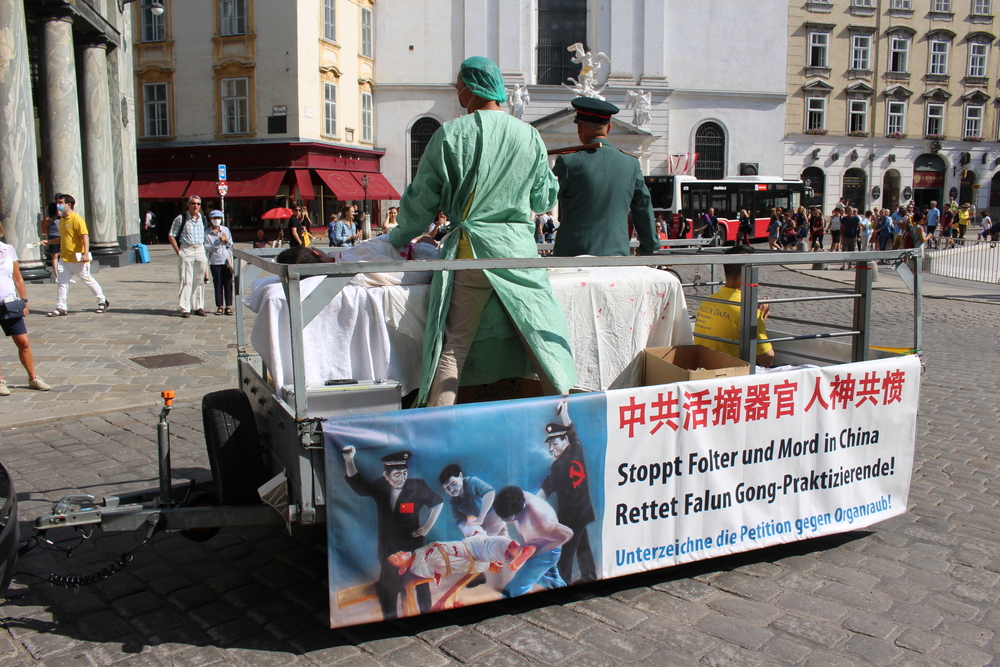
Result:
[{"x": 185, "y": 314}]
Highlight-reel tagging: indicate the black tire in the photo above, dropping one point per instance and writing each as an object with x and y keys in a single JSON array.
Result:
[{"x": 234, "y": 449}]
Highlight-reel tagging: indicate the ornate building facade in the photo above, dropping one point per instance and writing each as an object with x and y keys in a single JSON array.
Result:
[
  {"x": 892, "y": 101},
  {"x": 67, "y": 123},
  {"x": 281, "y": 93}
]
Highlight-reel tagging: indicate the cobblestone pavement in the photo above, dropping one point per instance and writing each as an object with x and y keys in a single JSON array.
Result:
[{"x": 920, "y": 589}]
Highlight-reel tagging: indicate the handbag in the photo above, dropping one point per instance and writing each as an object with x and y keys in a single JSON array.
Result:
[{"x": 11, "y": 309}]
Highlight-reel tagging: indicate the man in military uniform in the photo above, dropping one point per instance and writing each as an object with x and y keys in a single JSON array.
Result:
[
  {"x": 598, "y": 187},
  {"x": 398, "y": 501},
  {"x": 568, "y": 481}
]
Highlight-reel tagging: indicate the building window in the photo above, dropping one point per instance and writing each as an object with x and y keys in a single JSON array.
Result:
[
  {"x": 901, "y": 4},
  {"x": 366, "y": 118},
  {"x": 816, "y": 113},
  {"x": 819, "y": 45},
  {"x": 861, "y": 46},
  {"x": 710, "y": 145},
  {"x": 857, "y": 116},
  {"x": 982, "y": 7},
  {"x": 366, "y": 32},
  {"x": 155, "y": 108},
  {"x": 561, "y": 23},
  {"x": 330, "y": 20},
  {"x": 939, "y": 57},
  {"x": 862, "y": 3},
  {"x": 896, "y": 118},
  {"x": 935, "y": 120},
  {"x": 899, "y": 52},
  {"x": 977, "y": 58},
  {"x": 973, "y": 121},
  {"x": 941, "y": 6},
  {"x": 154, "y": 28},
  {"x": 235, "y": 106},
  {"x": 329, "y": 109},
  {"x": 233, "y": 17},
  {"x": 420, "y": 136}
]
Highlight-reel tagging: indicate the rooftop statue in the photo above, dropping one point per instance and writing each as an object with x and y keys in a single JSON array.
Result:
[
  {"x": 517, "y": 99},
  {"x": 585, "y": 87},
  {"x": 641, "y": 104}
]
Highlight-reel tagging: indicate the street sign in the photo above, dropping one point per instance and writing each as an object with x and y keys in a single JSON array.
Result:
[
  {"x": 223, "y": 188},
  {"x": 222, "y": 172}
]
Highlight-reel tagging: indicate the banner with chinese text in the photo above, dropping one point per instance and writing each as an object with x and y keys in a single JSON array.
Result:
[{"x": 437, "y": 508}]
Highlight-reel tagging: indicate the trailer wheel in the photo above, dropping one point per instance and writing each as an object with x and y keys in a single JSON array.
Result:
[
  {"x": 201, "y": 499},
  {"x": 234, "y": 448}
]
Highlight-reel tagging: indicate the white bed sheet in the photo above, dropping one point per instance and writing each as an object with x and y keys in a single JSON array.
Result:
[{"x": 376, "y": 332}]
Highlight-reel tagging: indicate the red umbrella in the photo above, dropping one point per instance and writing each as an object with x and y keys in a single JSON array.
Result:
[{"x": 277, "y": 214}]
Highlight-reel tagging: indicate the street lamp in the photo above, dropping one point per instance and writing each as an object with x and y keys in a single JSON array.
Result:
[{"x": 367, "y": 222}]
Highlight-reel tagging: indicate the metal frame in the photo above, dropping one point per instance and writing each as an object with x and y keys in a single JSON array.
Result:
[{"x": 293, "y": 440}]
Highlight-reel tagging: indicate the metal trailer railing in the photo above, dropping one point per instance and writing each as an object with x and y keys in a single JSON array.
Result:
[{"x": 338, "y": 275}]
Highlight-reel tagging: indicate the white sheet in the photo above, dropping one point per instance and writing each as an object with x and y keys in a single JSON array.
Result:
[{"x": 370, "y": 333}]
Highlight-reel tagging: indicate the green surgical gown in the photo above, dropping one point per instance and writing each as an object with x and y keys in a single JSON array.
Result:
[{"x": 488, "y": 171}]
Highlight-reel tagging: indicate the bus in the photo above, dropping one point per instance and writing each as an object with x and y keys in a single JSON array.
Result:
[{"x": 672, "y": 195}]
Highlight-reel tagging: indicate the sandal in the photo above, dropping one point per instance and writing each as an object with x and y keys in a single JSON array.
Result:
[
  {"x": 58, "y": 312},
  {"x": 103, "y": 307},
  {"x": 229, "y": 311},
  {"x": 218, "y": 311}
]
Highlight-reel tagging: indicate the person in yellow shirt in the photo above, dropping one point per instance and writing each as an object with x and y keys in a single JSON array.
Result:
[
  {"x": 74, "y": 256},
  {"x": 963, "y": 220},
  {"x": 723, "y": 320}
]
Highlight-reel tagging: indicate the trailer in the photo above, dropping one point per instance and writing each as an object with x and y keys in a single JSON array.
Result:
[{"x": 301, "y": 453}]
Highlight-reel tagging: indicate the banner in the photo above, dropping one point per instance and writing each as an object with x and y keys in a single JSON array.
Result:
[{"x": 437, "y": 508}]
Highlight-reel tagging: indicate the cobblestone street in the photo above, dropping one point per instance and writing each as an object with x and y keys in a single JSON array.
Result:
[{"x": 919, "y": 589}]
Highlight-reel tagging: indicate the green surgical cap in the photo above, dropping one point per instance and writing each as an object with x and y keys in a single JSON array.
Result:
[{"x": 482, "y": 76}]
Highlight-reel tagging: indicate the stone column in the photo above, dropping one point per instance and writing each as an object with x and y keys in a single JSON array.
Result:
[
  {"x": 19, "y": 196},
  {"x": 98, "y": 155},
  {"x": 62, "y": 110}
]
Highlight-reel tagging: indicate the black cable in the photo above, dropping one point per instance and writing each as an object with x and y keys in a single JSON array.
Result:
[{"x": 78, "y": 581}]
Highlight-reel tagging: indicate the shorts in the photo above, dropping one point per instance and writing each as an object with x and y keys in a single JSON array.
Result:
[
  {"x": 850, "y": 245},
  {"x": 835, "y": 236},
  {"x": 14, "y": 327},
  {"x": 52, "y": 248}
]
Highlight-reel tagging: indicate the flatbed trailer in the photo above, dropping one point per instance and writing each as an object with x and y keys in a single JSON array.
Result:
[{"x": 266, "y": 443}]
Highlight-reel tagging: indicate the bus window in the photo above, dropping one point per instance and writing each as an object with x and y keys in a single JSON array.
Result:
[{"x": 661, "y": 191}]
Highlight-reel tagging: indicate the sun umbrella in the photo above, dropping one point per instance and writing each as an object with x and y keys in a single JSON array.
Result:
[{"x": 279, "y": 213}]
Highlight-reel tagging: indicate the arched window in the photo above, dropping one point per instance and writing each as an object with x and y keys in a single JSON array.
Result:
[
  {"x": 854, "y": 187},
  {"x": 420, "y": 135},
  {"x": 710, "y": 145}
]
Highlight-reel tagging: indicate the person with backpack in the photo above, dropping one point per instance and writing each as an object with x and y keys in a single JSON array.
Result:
[{"x": 187, "y": 237}]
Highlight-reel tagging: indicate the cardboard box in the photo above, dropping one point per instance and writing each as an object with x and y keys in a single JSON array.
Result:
[{"x": 664, "y": 365}]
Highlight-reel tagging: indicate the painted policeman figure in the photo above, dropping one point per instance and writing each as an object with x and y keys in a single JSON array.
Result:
[
  {"x": 598, "y": 188},
  {"x": 399, "y": 500},
  {"x": 568, "y": 482}
]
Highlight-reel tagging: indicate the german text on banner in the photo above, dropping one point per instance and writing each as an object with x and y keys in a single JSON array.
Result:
[{"x": 432, "y": 509}]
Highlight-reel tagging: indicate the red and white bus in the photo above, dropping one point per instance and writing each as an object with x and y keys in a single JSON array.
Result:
[{"x": 672, "y": 195}]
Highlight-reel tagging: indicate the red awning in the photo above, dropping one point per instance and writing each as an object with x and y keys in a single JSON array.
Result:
[
  {"x": 163, "y": 184},
  {"x": 242, "y": 184},
  {"x": 344, "y": 186},
  {"x": 378, "y": 186},
  {"x": 304, "y": 180}
]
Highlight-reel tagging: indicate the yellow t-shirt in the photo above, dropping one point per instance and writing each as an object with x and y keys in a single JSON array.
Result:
[
  {"x": 71, "y": 231},
  {"x": 723, "y": 321}
]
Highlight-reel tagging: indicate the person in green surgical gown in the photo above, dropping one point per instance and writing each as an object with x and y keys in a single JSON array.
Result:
[{"x": 487, "y": 172}]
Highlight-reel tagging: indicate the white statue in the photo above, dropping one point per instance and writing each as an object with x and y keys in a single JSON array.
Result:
[
  {"x": 585, "y": 87},
  {"x": 641, "y": 104},
  {"x": 517, "y": 99}
]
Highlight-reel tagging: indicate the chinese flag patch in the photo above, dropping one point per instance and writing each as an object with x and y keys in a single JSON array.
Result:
[{"x": 406, "y": 508}]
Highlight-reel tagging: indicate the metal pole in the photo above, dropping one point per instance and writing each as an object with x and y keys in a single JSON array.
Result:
[
  {"x": 163, "y": 449},
  {"x": 862, "y": 311},
  {"x": 748, "y": 316},
  {"x": 917, "y": 262}
]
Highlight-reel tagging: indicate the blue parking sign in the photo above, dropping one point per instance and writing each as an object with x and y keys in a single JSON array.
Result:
[{"x": 222, "y": 172}]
